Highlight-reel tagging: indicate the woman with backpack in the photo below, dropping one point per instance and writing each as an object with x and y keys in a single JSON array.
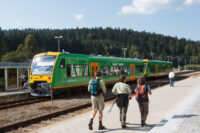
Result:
[
  {"x": 142, "y": 90},
  {"x": 123, "y": 92}
]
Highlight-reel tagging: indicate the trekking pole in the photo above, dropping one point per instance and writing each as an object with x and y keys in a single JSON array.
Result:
[{"x": 112, "y": 105}]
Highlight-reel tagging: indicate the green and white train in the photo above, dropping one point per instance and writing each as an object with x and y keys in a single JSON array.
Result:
[{"x": 52, "y": 72}]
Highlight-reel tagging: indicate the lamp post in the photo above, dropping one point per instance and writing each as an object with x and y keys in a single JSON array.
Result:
[
  {"x": 168, "y": 58},
  {"x": 178, "y": 65},
  {"x": 152, "y": 54},
  {"x": 185, "y": 63},
  {"x": 190, "y": 65},
  {"x": 58, "y": 37},
  {"x": 124, "y": 49}
]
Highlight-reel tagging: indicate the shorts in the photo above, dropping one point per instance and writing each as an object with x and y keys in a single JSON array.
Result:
[{"x": 97, "y": 102}]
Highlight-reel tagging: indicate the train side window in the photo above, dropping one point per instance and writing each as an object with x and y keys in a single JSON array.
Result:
[
  {"x": 80, "y": 69},
  {"x": 139, "y": 69},
  {"x": 62, "y": 63},
  {"x": 105, "y": 71},
  {"x": 77, "y": 70},
  {"x": 117, "y": 70},
  {"x": 86, "y": 73},
  {"x": 73, "y": 71},
  {"x": 152, "y": 68},
  {"x": 112, "y": 71},
  {"x": 125, "y": 70},
  {"x": 69, "y": 71}
]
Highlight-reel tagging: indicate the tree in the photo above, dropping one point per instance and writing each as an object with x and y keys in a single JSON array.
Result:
[
  {"x": 10, "y": 57},
  {"x": 20, "y": 53},
  {"x": 30, "y": 46}
]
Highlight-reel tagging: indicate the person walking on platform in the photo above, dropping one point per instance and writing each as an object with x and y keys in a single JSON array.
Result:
[
  {"x": 23, "y": 80},
  {"x": 142, "y": 90},
  {"x": 97, "y": 89},
  {"x": 123, "y": 92},
  {"x": 171, "y": 78}
]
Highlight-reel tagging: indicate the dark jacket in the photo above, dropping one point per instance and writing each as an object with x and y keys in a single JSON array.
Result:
[{"x": 122, "y": 100}]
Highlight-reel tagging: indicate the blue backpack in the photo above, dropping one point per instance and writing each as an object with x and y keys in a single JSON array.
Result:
[{"x": 95, "y": 87}]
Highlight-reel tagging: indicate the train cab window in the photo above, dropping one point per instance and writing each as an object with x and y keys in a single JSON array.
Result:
[{"x": 62, "y": 63}]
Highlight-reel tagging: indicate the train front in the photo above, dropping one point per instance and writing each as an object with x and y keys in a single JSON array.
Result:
[{"x": 41, "y": 74}]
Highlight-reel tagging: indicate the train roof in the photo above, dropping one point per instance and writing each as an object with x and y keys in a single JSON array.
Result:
[
  {"x": 156, "y": 61},
  {"x": 99, "y": 57}
]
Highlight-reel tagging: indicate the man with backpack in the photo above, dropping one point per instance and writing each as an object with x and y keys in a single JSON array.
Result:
[
  {"x": 141, "y": 93},
  {"x": 97, "y": 89}
]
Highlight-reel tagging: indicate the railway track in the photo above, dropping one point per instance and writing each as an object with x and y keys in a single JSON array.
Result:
[
  {"x": 49, "y": 110},
  {"x": 21, "y": 102}
]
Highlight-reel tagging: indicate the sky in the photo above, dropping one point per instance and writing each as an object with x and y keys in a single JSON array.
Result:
[{"x": 176, "y": 18}]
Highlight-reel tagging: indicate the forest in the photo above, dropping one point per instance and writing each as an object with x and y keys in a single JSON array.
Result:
[{"x": 21, "y": 45}]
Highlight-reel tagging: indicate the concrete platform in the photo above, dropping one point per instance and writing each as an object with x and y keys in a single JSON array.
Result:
[
  {"x": 14, "y": 92},
  {"x": 14, "y": 95},
  {"x": 172, "y": 109}
]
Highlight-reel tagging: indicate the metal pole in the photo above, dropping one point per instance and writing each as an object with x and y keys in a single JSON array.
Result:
[
  {"x": 28, "y": 75},
  {"x": 6, "y": 78},
  {"x": 152, "y": 54},
  {"x": 124, "y": 52},
  {"x": 58, "y": 37},
  {"x": 185, "y": 63},
  {"x": 168, "y": 58},
  {"x": 178, "y": 65},
  {"x": 17, "y": 78},
  {"x": 58, "y": 45}
]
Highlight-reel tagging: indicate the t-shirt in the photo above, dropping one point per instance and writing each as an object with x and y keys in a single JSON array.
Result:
[
  {"x": 121, "y": 88},
  {"x": 171, "y": 75}
]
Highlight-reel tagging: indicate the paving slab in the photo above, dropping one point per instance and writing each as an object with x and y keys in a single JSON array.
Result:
[
  {"x": 184, "y": 119},
  {"x": 163, "y": 102}
]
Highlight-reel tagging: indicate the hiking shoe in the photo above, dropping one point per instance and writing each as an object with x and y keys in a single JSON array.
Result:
[
  {"x": 142, "y": 123},
  {"x": 124, "y": 126},
  {"x": 90, "y": 126},
  {"x": 101, "y": 127}
]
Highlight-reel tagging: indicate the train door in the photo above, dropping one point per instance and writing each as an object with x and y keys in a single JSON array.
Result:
[
  {"x": 156, "y": 69},
  {"x": 132, "y": 71},
  {"x": 145, "y": 68},
  {"x": 94, "y": 68},
  {"x": 168, "y": 68}
]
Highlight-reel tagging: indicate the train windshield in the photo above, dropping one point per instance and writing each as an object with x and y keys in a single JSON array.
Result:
[{"x": 43, "y": 65}]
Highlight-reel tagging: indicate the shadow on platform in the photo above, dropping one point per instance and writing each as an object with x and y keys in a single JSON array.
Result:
[
  {"x": 183, "y": 116},
  {"x": 130, "y": 126}
]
